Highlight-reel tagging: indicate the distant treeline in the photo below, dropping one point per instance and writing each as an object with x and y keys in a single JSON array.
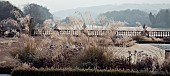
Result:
[
  {"x": 162, "y": 19},
  {"x": 129, "y": 16}
]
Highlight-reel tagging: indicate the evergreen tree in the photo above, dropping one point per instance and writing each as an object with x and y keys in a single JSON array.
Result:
[
  {"x": 5, "y": 10},
  {"x": 152, "y": 18},
  {"x": 39, "y": 13}
]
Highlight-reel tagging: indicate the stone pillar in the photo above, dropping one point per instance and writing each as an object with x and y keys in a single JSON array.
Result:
[
  {"x": 156, "y": 33},
  {"x": 162, "y": 33},
  {"x": 167, "y": 54}
]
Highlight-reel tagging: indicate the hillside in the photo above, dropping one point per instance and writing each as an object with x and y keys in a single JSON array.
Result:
[
  {"x": 129, "y": 16},
  {"x": 96, "y": 10}
]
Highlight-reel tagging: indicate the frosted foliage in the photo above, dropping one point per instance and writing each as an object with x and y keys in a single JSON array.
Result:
[
  {"x": 10, "y": 21},
  {"x": 16, "y": 13},
  {"x": 109, "y": 24},
  {"x": 48, "y": 24},
  {"x": 22, "y": 23},
  {"x": 138, "y": 24},
  {"x": 102, "y": 20},
  {"x": 113, "y": 25},
  {"x": 74, "y": 22}
]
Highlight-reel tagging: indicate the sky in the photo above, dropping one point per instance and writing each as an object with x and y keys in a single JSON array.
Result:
[{"x": 57, "y": 5}]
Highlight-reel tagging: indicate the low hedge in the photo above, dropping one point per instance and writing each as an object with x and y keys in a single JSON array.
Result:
[
  {"x": 6, "y": 70},
  {"x": 81, "y": 72}
]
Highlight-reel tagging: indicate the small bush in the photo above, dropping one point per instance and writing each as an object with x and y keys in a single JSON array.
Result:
[{"x": 166, "y": 66}]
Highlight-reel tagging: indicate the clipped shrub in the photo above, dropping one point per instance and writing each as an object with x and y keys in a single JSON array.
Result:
[
  {"x": 144, "y": 38},
  {"x": 82, "y": 72},
  {"x": 123, "y": 41},
  {"x": 6, "y": 70},
  {"x": 7, "y": 65},
  {"x": 138, "y": 38}
]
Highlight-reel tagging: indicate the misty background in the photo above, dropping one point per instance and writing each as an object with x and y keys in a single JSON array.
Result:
[{"x": 154, "y": 13}]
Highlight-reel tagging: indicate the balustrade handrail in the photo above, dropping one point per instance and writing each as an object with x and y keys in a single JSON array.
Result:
[{"x": 156, "y": 33}]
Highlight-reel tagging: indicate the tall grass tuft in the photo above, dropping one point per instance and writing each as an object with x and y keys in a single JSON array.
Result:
[
  {"x": 93, "y": 57},
  {"x": 26, "y": 52}
]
